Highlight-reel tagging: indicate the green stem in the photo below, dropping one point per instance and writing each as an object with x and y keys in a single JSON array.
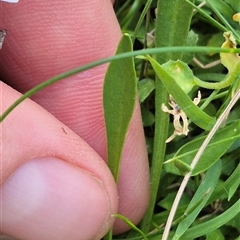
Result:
[
  {"x": 132, "y": 11},
  {"x": 233, "y": 75},
  {"x": 211, "y": 20},
  {"x": 139, "y": 23},
  {"x": 172, "y": 26},
  {"x": 109, "y": 235},
  {"x": 109, "y": 59}
]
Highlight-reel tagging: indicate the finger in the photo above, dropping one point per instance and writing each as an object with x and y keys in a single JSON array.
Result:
[
  {"x": 58, "y": 38},
  {"x": 53, "y": 184}
]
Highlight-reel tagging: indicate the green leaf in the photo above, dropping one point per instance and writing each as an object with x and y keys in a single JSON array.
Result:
[
  {"x": 215, "y": 235},
  {"x": 147, "y": 117},
  {"x": 145, "y": 87},
  {"x": 174, "y": 21},
  {"x": 141, "y": 18},
  {"x": 130, "y": 224},
  {"x": 213, "y": 224},
  {"x": 234, "y": 222},
  {"x": 223, "y": 8},
  {"x": 220, "y": 143},
  {"x": 167, "y": 202},
  {"x": 199, "y": 117},
  {"x": 223, "y": 188},
  {"x": 181, "y": 73},
  {"x": 208, "y": 17},
  {"x": 233, "y": 189},
  {"x": 203, "y": 192},
  {"x": 215, "y": 41},
  {"x": 235, "y": 4},
  {"x": 182, "y": 167},
  {"x": 191, "y": 40},
  {"x": 119, "y": 96},
  {"x": 224, "y": 13}
]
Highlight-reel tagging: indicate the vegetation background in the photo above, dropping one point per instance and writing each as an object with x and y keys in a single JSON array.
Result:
[
  {"x": 209, "y": 205},
  {"x": 179, "y": 50}
]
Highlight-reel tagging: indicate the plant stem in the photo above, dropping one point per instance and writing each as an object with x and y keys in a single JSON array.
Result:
[
  {"x": 223, "y": 84},
  {"x": 79, "y": 69},
  {"x": 195, "y": 161},
  {"x": 172, "y": 26}
]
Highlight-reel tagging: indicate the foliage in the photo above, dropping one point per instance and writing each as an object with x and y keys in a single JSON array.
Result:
[
  {"x": 180, "y": 43},
  {"x": 119, "y": 95},
  {"x": 206, "y": 208}
]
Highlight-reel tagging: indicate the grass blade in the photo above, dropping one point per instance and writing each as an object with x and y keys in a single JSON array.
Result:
[
  {"x": 131, "y": 225},
  {"x": 222, "y": 140},
  {"x": 199, "y": 117},
  {"x": 213, "y": 224},
  {"x": 204, "y": 191},
  {"x": 79, "y": 69},
  {"x": 139, "y": 23},
  {"x": 223, "y": 188}
]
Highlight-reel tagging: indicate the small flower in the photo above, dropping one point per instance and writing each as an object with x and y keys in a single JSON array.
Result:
[{"x": 178, "y": 114}]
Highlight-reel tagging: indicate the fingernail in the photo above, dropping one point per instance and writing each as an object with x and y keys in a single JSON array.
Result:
[
  {"x": 10, "y": 1},
  {"x": 47, "y": 198}
]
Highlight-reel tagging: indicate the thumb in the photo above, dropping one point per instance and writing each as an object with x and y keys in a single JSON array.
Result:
[{"x": 53, "y": 184}]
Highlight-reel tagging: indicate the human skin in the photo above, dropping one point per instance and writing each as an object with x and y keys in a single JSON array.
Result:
[{"x": 55, "y": 183}]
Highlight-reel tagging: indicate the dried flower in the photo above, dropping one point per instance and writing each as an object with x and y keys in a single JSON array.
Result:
[{"x": 178, "y": 116}]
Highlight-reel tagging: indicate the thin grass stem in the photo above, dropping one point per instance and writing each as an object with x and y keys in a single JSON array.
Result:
[
  {"x": 109, "y": 59},
  {"x": 183, "y": 185}
]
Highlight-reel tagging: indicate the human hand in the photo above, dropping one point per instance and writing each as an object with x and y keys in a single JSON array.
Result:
[{"x": 55, "y": 183}]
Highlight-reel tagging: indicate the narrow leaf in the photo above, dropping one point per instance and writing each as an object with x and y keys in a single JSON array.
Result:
[
  {"x": 224, "y": 187},
  {"x": 191, "y": 40},
  {"x": 213, "y": 224},
  {"x": 203, "y": 192},
  {"x": 222, "y": 140},
  {"x": 145, "y": 87},
  {"x": 174, "y": 23},
  {"x": 233, "y": 189},
  {"x": 199, "y": 117},
  {"x": 215, "y": 235},
  {"x": 119, "y": 94},
  {"x": 130, "y": 224}
]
